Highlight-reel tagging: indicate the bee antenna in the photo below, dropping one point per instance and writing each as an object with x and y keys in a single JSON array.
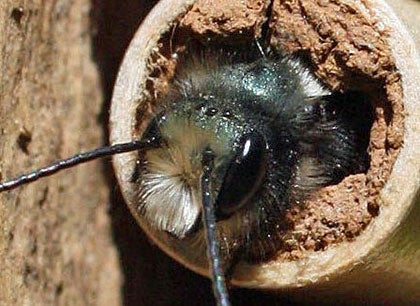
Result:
[
  {"x": 79, "y": 159},
  {"x": 209, "y": 219},
  {"x": 260, "y": 48}
]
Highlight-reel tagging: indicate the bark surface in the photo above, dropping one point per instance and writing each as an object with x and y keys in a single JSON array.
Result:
[{"x": 56, "y": 246}]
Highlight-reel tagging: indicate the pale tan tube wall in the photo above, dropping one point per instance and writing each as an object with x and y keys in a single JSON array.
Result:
[{"x": 383, "y": 263}]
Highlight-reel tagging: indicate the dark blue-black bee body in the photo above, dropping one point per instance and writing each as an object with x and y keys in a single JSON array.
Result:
[{"x": 277, "y": 135}]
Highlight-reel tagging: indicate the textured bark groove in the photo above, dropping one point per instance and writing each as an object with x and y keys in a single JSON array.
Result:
[{"x": 55, "y": 242}]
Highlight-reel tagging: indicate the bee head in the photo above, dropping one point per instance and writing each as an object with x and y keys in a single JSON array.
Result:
[
  {"x": 175, "y": 167},
  {"x": 276, "y": 135}
]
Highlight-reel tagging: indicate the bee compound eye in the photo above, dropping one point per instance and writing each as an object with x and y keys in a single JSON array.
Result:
[
  {"x": 152, "y": 131},
  {"x": 244, "y": 174}
]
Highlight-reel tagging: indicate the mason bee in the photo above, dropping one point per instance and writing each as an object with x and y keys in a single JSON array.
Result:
[{"x": 240, "y": 138}]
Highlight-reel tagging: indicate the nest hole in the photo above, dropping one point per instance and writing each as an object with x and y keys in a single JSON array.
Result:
[{"x": 345, "y": 49}]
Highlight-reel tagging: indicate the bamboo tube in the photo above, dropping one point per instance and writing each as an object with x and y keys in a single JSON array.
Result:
[{"x": 383, "y": 262}]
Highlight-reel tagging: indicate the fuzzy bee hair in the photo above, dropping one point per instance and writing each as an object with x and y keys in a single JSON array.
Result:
[{"x": 303, "y": 137}]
